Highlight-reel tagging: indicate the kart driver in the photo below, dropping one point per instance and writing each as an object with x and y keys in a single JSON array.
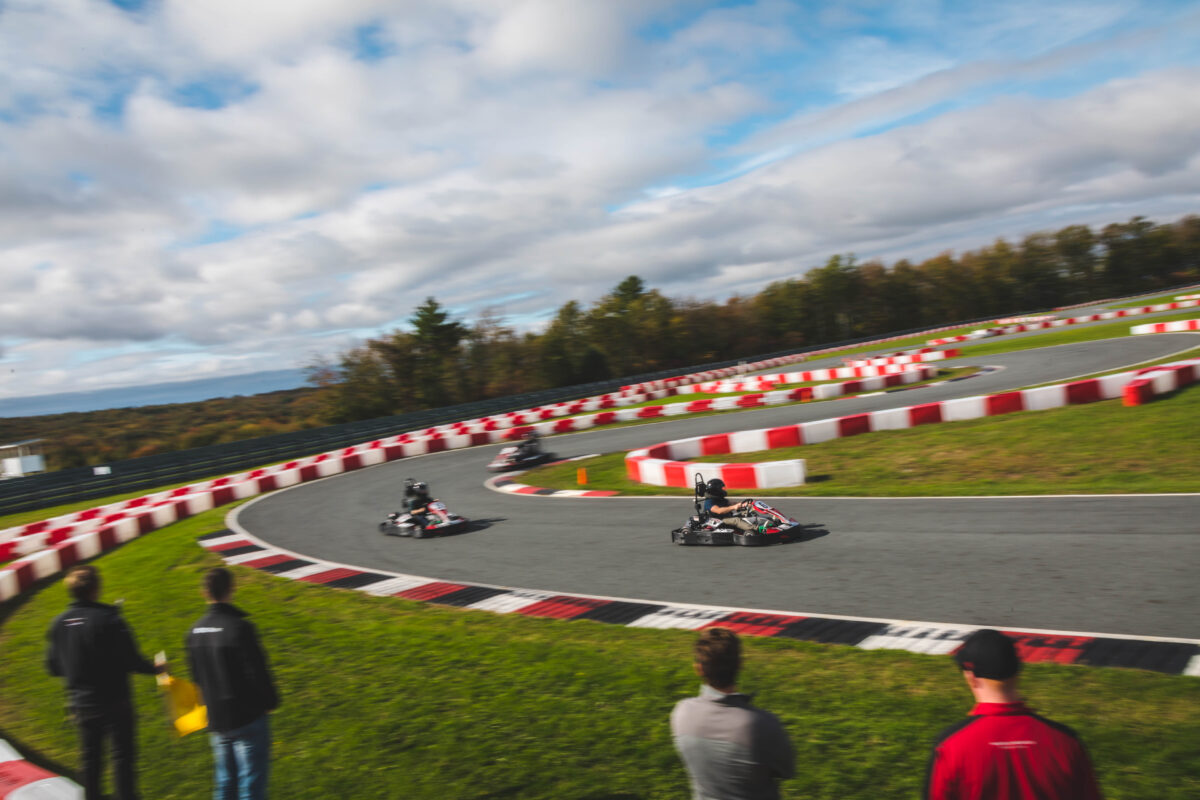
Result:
[
  {"x": 417, "y": 500},
  {"x": 530, "y": 446},
  {"x": 714, "y": 498}
]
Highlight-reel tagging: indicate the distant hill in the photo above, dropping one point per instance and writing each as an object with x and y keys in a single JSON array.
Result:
[{"x": 153, "y": 394}]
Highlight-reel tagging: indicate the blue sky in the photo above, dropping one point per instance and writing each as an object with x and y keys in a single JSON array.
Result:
[{"x": 193, "y": 190}]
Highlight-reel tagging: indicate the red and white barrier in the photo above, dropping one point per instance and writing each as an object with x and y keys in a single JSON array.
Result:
[
  {"x": 1154, "y": 381},
  {"x": 760, "y": 383},
  {"x": 1167, "y": 327},
  {"x": 1187, "y": 297},
  {"x": 909, "y": 358},
  {"x": 20, "y": 780},
  {"x": 662, "y": 464},
  {"x": 1059, "y": 323},
  {"x": 1020, "y": 320}
]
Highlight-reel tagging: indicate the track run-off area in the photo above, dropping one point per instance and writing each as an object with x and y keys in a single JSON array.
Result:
[{"x": 1118, "y": 565}]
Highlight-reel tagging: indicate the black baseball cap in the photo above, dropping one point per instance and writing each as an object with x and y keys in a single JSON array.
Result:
[{"x": 989, "y": 654}]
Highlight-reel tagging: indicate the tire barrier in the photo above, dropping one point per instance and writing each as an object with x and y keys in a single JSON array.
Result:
[
  {"x": 919, "y": 357},
  {"x": 662, "y": 464},
  {"x": 20, "y": 780},
  {"x": 1167, "y": 327},
  {"x": 1059, "y": 323}
]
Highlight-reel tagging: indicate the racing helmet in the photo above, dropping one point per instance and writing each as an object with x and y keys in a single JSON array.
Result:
[
  {"x": 420, "y": 487},
  {"x": 715, "y": 487}
]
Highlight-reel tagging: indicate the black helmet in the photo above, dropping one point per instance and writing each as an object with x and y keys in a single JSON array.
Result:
[
  {"x": 421, "y": 487},
  {"x": 716, "y": 487}
]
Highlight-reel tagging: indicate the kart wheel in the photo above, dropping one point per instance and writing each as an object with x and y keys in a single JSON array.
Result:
[
  {"x": 418, "y": 533},
  {"x": 383, "y": 527}
]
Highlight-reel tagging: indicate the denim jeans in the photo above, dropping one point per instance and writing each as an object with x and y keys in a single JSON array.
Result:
[{"x": 243, "y": 759}]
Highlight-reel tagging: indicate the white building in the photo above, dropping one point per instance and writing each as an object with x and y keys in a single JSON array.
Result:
[{"x": 21, "y": 458}]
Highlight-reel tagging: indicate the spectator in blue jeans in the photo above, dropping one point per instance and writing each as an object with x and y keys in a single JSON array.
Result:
[{"x": 230, "y": 667}]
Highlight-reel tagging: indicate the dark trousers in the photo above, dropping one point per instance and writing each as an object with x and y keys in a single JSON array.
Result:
[{"x": 114, "y": 723}]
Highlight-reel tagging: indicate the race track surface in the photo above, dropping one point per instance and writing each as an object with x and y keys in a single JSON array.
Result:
[{"x": 1116, "y": 564}]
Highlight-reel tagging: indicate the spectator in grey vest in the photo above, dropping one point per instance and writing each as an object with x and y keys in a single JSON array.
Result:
[{"x": 732, "y": 750}]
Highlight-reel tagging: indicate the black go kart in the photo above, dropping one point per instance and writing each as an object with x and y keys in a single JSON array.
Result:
[
  {"x": 773, "y": 526},
  {"x": 438, "y": 522},
  {"x": 514, "y": 457},
  {"x": 528, "y": 453}
]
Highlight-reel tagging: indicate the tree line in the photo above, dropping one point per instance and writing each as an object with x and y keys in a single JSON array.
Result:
[{"x": 633, "y": 329}]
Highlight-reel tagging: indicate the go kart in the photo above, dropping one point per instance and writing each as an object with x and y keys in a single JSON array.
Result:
[
  {"x": 514, "y": 457},
  {"x": 438, "y": 521},
  {"x": 773, "y": 526}
]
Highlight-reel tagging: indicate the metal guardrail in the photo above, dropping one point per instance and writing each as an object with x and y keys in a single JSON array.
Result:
[{"x": 78, "y": 484}]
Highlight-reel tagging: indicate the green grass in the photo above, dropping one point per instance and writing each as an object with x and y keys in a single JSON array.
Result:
[
  {"x": 1099, "y": 448},
  {"x": 384, "y": 698}
]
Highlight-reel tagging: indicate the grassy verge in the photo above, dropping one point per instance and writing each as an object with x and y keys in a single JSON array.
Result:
[
  {"x": 1067, "y": 335},
  {"x": 1154, "y": 301},
  {"x": 385, "y": 698},
  {"x": 1099, "y": 448}
]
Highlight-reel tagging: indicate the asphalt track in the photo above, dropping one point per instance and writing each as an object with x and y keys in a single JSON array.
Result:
[{"x": 1123, "y": 565}]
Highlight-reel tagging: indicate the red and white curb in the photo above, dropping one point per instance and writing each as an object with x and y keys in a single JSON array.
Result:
[{"x": 1172, "y": 656}]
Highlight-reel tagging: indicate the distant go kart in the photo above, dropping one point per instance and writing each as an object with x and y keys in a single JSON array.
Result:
[
  {"x": 515, "y": 457},
  {"x": 773, "y": 526}
]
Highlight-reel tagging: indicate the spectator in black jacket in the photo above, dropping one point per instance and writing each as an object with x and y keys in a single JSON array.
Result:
[
  {"x": 229, "y": 666},
  {"x": 91, "y": 647}
]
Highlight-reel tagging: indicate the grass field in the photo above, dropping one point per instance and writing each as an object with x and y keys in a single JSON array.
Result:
[{"x": 385, "y": 698}]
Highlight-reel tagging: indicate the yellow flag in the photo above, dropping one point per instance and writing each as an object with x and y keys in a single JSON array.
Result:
[{"x": 184, "y": 706}]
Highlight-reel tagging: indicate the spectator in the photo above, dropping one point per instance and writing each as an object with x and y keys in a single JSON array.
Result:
[
  {"x": 732, "y": 750},
  {"x": 1003, "y": 750},
  {"x": 92, "y": 648},
  {"x": 229, "y": 666}
]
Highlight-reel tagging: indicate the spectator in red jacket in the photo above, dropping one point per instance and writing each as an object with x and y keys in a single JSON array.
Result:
[{"x": 1003, "y": 750}]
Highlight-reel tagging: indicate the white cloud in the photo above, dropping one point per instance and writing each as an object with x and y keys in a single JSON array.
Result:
[{"x": 539, "y": 150}]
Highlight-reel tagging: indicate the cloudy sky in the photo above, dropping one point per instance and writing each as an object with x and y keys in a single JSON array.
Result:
[{"x": 199, "y": 188}]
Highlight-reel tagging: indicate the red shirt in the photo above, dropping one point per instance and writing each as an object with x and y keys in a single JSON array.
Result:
[{"x": 1004, "y": 751}]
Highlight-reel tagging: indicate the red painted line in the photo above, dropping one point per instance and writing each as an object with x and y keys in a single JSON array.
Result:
[
  {"x": 220, "y": 548},
  {"x": 268, "y": 561},
  {"x": 330, "y": 575},
  {"x": 755, "y": 624},
  {"x": 562, "y": 607},
  {"x": 431, "y": 591}
]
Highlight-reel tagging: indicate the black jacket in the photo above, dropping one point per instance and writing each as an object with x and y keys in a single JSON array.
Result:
[
  {"x": 91, "y": 646},
  {"x": 230, "y": 667}
]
